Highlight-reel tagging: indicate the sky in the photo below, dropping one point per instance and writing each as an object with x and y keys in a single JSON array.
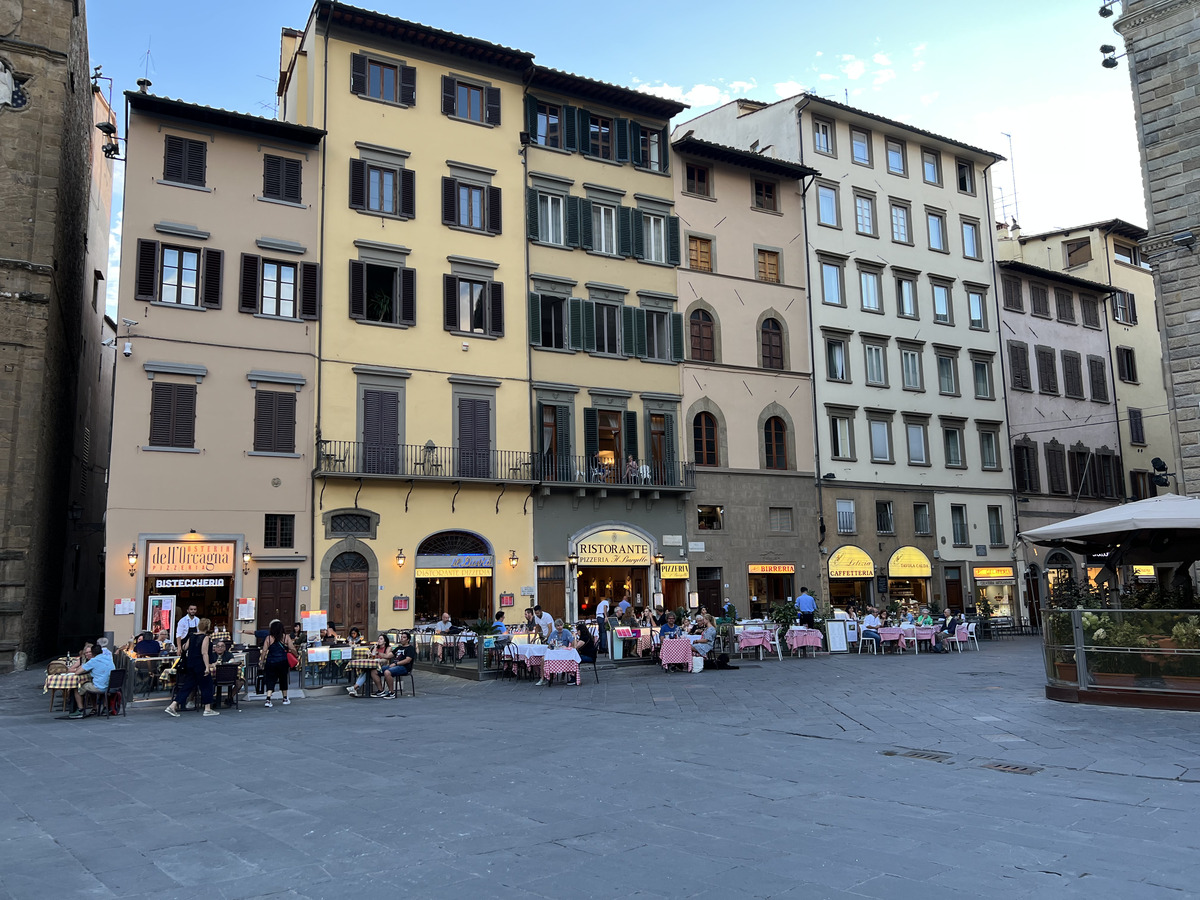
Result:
[{"x": 1020, "y": 78}]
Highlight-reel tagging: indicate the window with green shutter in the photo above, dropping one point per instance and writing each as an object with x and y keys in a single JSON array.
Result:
[{"x": 281, "y": 178}]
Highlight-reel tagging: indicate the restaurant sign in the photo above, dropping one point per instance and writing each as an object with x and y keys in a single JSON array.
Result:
[
  {"x": 993, "y": 572},
  {"x": 772, "y": 569},
  {"x": 464, "y": 564},
  {"x": 675, "y": 570},
  {"x": 909, "y": 562},
  {"x": 613, "y": 547},
  {"x": 851, "y": 562},
  {"x": 189, "y": 557}
]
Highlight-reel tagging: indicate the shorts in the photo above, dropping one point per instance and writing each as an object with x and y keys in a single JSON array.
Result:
[
  {"x": 89, "y": 688},
  {"x": 395, "y": 671}
]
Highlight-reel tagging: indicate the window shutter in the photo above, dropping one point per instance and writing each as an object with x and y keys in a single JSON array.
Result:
[
  {"x": 1132, "y": 308},
  {"x": 358, "y": 184},
  {"x": 448, "y": 95},
  {"x": 637, "y": 228},
  {"x": 264, "y": 421},
  {"x": 570, "y": 128},
  {"x": 492, "y": 112},
  {"x": 146, "y": 280},
  {"x": 1099, "y": 378},
  {"x": 591, "y": 434},
  {"x": 251, "y": 283},
  {"x": 272, "y": 176},
  {"x": 535, "y": 319},
  {"x": 531, "y": 105},
  {"x": 562, "y": 428},
  {"x": 449, "y": 201},
  {"x": 285, "y": 422},
  {"x": 162, "y": 403},
  {"x": 1018, "y": 357},
  {"x": 669, "y": 449},
  {"x": 589, "y": 326},
  {"x": 496, "y": 309},
  {"x": 625, "y": 231},
  {"x": 197, "y": 152},
  {"x": 575, "y": 325},
  {"x": 631, "y": 435},
  {"x": 358, "y": 289},
  {"x": 211, "y": 287},
  {"x": 408, "y": 296},
  {"x": 173, "y": 158},
  {"x": 494, "y": 221},
  {"x": 677, "y": 337},
  {"x": 292, "y": 181},
  {"x": 184, "y": 417},
  {"x": 532, "y": 230},
  {"x": 635, "y": 143},
  {"x": 372, "y": 409},
  {"x": 627, "y": 329},
  {"x": 310, "y": 290},
  {"x": 408, "y": 193},
  {"x": 358, "y": 74},
  {"x": 450, "y": 303},
  {"x": 585, "y": 131},
  {"x": 1021, "y": 468},
  {"x": 408, "y": 85},
  {"x": 572, "y": 221},
  {"x": 585, "y": 224},
  {"x": 673, "y": 240},
  {"x": 664, "y": 149},
  {"x": 639, "y": 333},
  {"x": 621, "y": 126}
]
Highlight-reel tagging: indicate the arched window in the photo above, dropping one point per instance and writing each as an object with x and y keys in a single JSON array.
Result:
[
  {"x": 772, "y": 344},
  {"x": 704, "y": 439},
  {"x": 702, "y": 336},
  {"x": 775, "y": 442}
]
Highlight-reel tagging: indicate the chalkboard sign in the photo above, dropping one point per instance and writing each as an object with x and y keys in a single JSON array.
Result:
[{"x": 881, "y": 583}]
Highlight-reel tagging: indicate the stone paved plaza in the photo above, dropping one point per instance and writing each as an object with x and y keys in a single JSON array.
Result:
[{"x": 778, "y": 780}]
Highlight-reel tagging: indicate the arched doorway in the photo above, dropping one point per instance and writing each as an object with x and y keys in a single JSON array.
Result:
[
  {"x": 454, "y": 575},
  {"x": 1060, "y": 569},
  {"x": 1033, "y": 595},
  {"x": 348, "y": 578}
]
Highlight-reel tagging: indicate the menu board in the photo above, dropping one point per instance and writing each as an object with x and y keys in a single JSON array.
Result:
[
  {"x": 314, "y": 623},
  {"x": 123, "y": 606},
  {"x": 317, "y": 654},
  {"x": 245, "y": 609}
]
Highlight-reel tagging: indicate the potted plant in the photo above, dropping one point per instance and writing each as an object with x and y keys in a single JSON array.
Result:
[{"x": 782, "y": 615}]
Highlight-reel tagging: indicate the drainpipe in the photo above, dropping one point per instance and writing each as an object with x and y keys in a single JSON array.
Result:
[
  {"x": 1112, "y": 370},
  {"x": 534, "y": 425},
  {"x": 312, "y": 500}
]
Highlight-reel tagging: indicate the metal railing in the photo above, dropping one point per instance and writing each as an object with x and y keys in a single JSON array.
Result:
[{"x": 557, "y": 468}]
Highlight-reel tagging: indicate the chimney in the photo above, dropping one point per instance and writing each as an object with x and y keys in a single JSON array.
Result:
[{"x": 142, "y": 84}]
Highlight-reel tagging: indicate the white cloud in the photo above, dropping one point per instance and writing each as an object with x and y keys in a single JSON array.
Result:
[
  {"x": 826, "y": 76},
  {"x": 853, "y": 68},
  {"x": 113, "y": 283},
  {"x": 883, "y": 76},
  {"x": 789, "y": 88},
  {"x": 919, "y": 49},
  {"x": 927, "y": 99},
  {"x": 881, "y": 59},
  {"x": 743, "y": 87},
  {"x": 698, "y": 95},
  {"x": 918, "y": 65}
]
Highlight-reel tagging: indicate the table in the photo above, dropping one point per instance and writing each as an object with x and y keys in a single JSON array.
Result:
[
  {"x": 759, "y": 639},
  {"x": 887, "y": 635},
  {"x": 67, "y": 682},
  {"x": 459, "y": 641},
  {"x": 676, "y": 651},
  {"x": 801, "y": 638},
  {"x": 561, "y": 662},
  {"x": 148, "y": 668}
]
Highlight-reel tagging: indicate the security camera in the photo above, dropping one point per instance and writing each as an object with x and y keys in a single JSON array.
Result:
[
  {"x": 111, "y": 342},
  {"x": 129, "y": 323},
  {"x": 128, "y": 349}
]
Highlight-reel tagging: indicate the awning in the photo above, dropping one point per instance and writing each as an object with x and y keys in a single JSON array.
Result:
[
  {"x": 851, "y": 562},
  {"x": 909, "y": 562}
]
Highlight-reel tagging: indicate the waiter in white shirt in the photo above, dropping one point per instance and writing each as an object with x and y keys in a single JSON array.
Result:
[
  {"x": 544, "y": 620},
  {"x": 601, "y": 617},
  {"x": 186, "y": 624}
]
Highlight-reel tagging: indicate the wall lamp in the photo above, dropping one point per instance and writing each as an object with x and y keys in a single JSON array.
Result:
[
  {"x": 1109, "y": 61},
  {"x": 400, "y": 558},
  {"x": 658, "y": 558},
  {"x": 512, "y": 558},
  {"x": 1106, "y": 9},
  {"x": 573, "y": 560},
  {"x": 247, "y": 555},
  {"x": 132, "y": 556}
]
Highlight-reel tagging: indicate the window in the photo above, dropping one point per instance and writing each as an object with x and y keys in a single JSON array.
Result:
[
  {"x": 943, "y": 312},
  {"x": 835, "y": 360},
  {"x": 831, "y": 283},
  {"x": 947, "y": 369},
  {"x": 550, "y": 219},
  {"x": 885, "y": 522},
  {"x": 876, "y": 364},
  {"x": 608, "y": 320},
  {"x": 184, "y": 161},
  {"x": 910, "y": 366},
  {"x": 1072, "y": 364},
  {"x": 710, "y": 518},
  {"x": 937, "y": 231},
  {"x": 658, "y": 335},
  {"x": 172, "y": 415},
  {"x": 860, "y": 146},
  {"x": 1018, "y": 365},
  {"x": 1137, "y": 429},
  {"x": 1098, "y": 376},
  {"x": 871, "y": 285},
  {"x": 1047, "y": 369},
  {"x": 768, "y": 266},
  {"x": 382, "y": 189},
  {"x": 549, "y": 125},
  {"x": 906, "y": 297},
  {"x": 651, "y": 146},
  {"x": 699, "y": 180},
  {"x": 1089, "y": 311},
  {"x": 827, "y": 205},
  {"x": 278, "y": 289},
  {"x": 976, "y": 309},
  {"x": 1056, "y": 467},
  {"x": 180, "y": 278},
  {"x": 771, "y": 335},
  {"x": 965, "y": 172},
  {"x": 921, "y": 523},
  {"x": 1025, "y": 467},
  {"x": 654, "y": 236},
  {"x": 383, "y": 293},
  {"x": 864, "y": 214},
  {"x": 996, "y": 526},
  {"x": 775, "y": 443},
  {"x": 981, "y": 374},
  {"x": 901, "y": 231},
  {"x": 474, "y": 102},
  {"x": 554, "y": 321},
  {"x": 765, "y": 195},
  {"x": 780, "y": 519},
  {"x": 896, "y": 159},
  {"x": 466, "y": 204},
  {"x": 1084, "y": 482},
  {"x": 281, "y": 178},
  {"x": 918, "y": 450},
  {"x": 704, "y": 439},
  {"x": 286, "y": 290},
  {"x": 1078, "y": 252},
  {"x": 841, "y": 437},
  {"x": 1039, "y": 301},
  {"x": 823, "y": 137},
  {"x": 931, "y": 167},
  {"x": 1108, "y": 474},
  {"x": 881, "y": 440},
  {"x": 391, "y": 83},
  {"x": 473, "y": 306},
  {"x": 958, "y": 524},
  {"x": 604, "y": 229},
  {"x": 952, "y": 440},
  {"x": 989, "y": 449},
  {"x": 274, "y": 421},
  {"x": 970, "y": 235},
  {"x": 1126, "y": 253},
  {"x": 1012, "y": 294},
  {"x": 279, "y": 531},
  {"x": 1140, "y": 486},
  {"x": 1064, "y": 305},
  {"x": 845, "y": 517},
  {"x": 700, "y": 325},
  {"x": 1123, "y": 307}
]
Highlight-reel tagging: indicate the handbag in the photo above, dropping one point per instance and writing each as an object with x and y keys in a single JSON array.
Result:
[{"x": 292, "y": 659}]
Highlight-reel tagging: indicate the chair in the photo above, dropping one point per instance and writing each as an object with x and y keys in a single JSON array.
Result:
[
  {"x": 399, "y": 682},
  {"x": 227, "y": 676},
  {"x": 115, "y": 689},
  {"x": 253, "y": 675},
  {"x": 971, "y": 635},
  {"x": 960, "y": 637},
  {"x": 595, "y": 670},
  {"x": 644, "y": 474},
  {"x": 863, "y": 639}
]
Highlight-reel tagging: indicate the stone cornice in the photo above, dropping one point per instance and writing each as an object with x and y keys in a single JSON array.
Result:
[{"x": 1142, "y": 17}]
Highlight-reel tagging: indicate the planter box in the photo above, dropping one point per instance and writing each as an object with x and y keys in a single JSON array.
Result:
[{"x": 1066, "y": 672}]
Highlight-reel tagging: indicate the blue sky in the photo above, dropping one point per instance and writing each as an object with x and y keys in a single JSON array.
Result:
[{"x": 971, "y": 71}]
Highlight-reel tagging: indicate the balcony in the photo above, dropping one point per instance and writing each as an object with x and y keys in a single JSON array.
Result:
[{"x": 581, "y": 472}]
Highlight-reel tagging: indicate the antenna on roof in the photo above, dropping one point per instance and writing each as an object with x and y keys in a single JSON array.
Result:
[
  {"x": 1012, "y": 171},
  {"x": 147, "y": 58}
]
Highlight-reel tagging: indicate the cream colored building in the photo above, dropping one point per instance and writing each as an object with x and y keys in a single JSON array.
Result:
[{"x": 210, "y": 495}]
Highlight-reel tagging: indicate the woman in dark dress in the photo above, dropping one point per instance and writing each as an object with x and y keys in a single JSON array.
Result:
[
  {"x": 586, "y": 644},
  {"x": 197, "y": 671},
  {"x": 275, "y": 666}
]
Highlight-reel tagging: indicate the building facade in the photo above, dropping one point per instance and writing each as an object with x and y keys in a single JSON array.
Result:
[
  {"x": 747, "y": 381},
  {"x": 215, "y": 378}
]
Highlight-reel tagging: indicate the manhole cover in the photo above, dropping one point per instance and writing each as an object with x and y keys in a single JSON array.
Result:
[
  {"x": 931, "y": 755},
  {"x": 1013, "y": 769}
]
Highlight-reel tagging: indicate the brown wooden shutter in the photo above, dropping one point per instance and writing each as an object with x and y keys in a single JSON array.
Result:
[
  {"x": 251, "y": 283},
  {"x": 408, "y": 296},
  {"x": 1099, "y": 378},
  {"x": 264, "y": 421},
  {"x": 184, "y": 418},
  {"x": 292, "y": 182},
  {"x": 450, "y": 303},
  {"x": 492, "y": 112},
  {"x": 162, "y": 402},
  {"x": 449, "y": 201},
  {"x": 273, "y": 177},
  {"x": 496, "y": 309},
  {"x": 448, "y": 95},
  {"x": 274, "y": 421},
  {"x": 173, "y": 158},
  {"x": 408, "y": 193},
  {"x": 358, "y": 184},
  {"x": 146, "y": 273},
  {"x": 285, "y": 422},
  {"x": 408, "y": 85},
  {"x": 211, "y": 285},
  {"x": 358, "y": 74},
  {"x": 494, "y": 220},
  {"x": 358, "y": 289},
  {"x": 310, "y": 290}
]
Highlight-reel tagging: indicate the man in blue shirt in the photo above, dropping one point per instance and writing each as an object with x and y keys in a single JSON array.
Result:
[
  {"x": 147, "y": 645},
  {"x": 499, "y": 625},
  {"x": 669, "y": 630},
  {"x": 806, "y": 607},
  {"x": 99, "y": 666},
  {"x": 624, "y": 604}
]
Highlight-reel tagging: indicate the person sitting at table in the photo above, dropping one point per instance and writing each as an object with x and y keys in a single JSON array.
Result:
[
  {"x": 398, "y": 666},
  {"x": 949, "y": 627},
  {"x": 870, "y": 627},
  {"x": 708, "y": 637},
  {"x": 659, "y": 617},
  {"x": 147, "y": 646},
  {"x": 444, "y": 624},
  {"x": 220, "y": 654},
  {"x": 94, "y": 660},
  {"x": 164, "y": 642},
  {"x": 329, "y": 636},
  {"x": 298, "y": 635},
  {"x": 355, "y": 637},
  {"x": 669, "y": 628},
  {"x": 585, "y": 645},
  {"x": 382, "y": 653},
  {"x": 924, "y": 619},
  {"x": 560, "y": 635}
]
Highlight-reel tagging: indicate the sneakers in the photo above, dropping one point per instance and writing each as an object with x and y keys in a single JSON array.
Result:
[
  {"x": 78, "y": 714},
  {"x": 351, "y": 691},
  {"x": 287, "y": 702},
  {"x": 387, "y": 694},
  {"x": 540, "y": 682},
  {"x": 268, "y": 704},
  {"x": 210, "y": 712},
  {"x": 172, "y": 711}
]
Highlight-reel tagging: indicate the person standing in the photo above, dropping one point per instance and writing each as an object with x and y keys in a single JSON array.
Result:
[
  {"x": 275, "y": 662},
  {"x": 806, "y": 608},
  {"x": 602, "y": 621},
  {"x": 625, "y": 602},
  {"x": 186, "y": 624},
  {"x": 197, "y": 671},
  {"x": 544, "y": 620}
]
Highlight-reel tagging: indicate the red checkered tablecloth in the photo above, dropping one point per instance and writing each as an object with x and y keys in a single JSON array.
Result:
[
  {"x": 676, "y": 651},
  {"x": 804, "y": 637},
  {"x": 747, "y": 639},
  {"x": 561, "y": 662}
]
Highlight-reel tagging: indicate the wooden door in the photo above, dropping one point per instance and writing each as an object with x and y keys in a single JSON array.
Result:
[
  {"x": 348, "y": 601},
  {"x": 277, "y": 597},
  {"x": 708, "y": 585},
  {"x": 954, "y": 595},
  {"x": 552, "y": 592}
]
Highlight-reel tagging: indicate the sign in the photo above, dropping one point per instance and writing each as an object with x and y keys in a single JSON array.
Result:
[
  {"x": 316, "y": 654},
  {"x": 697, "y": 547},
  {"x": 693, "y": 600},
  {"x": 909, "y": 562},
  {"x": 455, "y": 566},
  {"x": 881, "y": 584},
  {"x": 527, "y": 590},
  {"x": 399, "y": 603},
  {"x": 124, "y": 606},
  {"x": 771, "y": 569},
  {"x": 981, "y": 572},
  {"x": 507, "y": 599},
  {"x": 245, "y": 609},
  {"x": 314, "y": 622},
  {"x": 188, "y": 582},
  {"x": 613, "y": 547},
  {"x": 160, "y": 613},
  {"x": 188, "y": 557},
  {"x": 454, "y": 573},
  {"x": 851, "y": 562},
  {"x": 675, "y": 570},
  {"x": 981, "y": 549},
  {"x": 1144, "y": 573},
  {"x": 672, "y": 540}
]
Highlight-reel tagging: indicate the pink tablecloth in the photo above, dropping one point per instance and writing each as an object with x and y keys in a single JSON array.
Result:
[
  {"x": 747, "y": 639},
  {"x": 887, "y": 635},
  {"x": 676, "y": 651},
  {"x": 925, "y": 632},
  {"x": 797, "y": 638}
]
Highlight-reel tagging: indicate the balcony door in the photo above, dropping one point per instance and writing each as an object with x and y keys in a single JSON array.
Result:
[
  {"x": 381, "y": 429},
  {"x": 474, "y": 438}
]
